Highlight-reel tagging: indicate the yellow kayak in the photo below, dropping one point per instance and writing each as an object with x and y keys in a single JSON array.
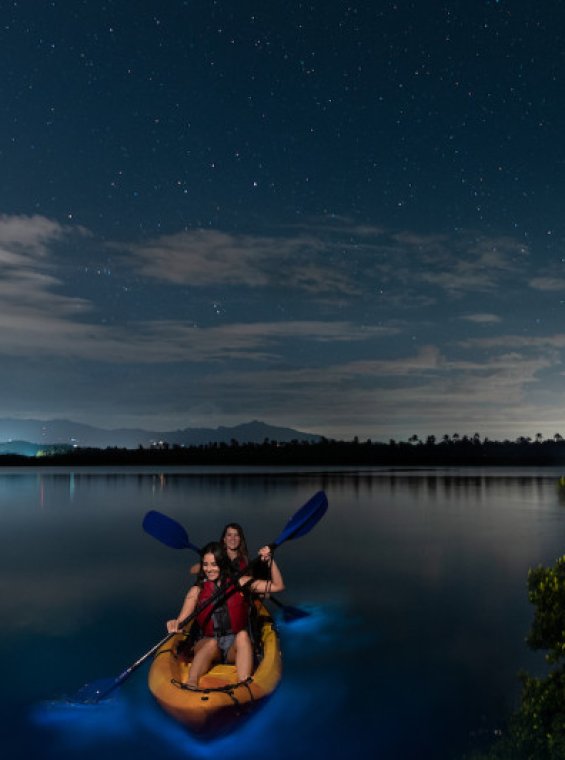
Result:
[{"x": 220, "y": 702}]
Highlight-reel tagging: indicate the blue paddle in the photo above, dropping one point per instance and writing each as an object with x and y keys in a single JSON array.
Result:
[
  {"x": 167, "y": 531},
  {"x": 299, "y": 525},
  {"x": 172, "y": 534}
]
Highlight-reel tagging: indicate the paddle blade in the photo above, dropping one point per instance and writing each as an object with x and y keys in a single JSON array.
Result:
[
  {"x": 305, "y": 519},
  {"x": 168, "y": 531},
  {"x": 289, "y": 613}
]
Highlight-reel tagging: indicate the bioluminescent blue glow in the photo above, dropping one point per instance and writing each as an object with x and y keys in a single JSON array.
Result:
[
  {"x": 134, "y": 714},
  {"x": 79, "y": 724}
]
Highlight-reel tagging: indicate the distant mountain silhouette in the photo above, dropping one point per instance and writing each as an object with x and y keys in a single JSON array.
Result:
[{"x": 53, "y": 432}]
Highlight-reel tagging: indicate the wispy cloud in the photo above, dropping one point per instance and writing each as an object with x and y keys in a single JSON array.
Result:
[
  {"x": 338, "y": 259},
  {"x": 548, "y": 283},
  {"x": 556, "y": 340},
  {"x": 481, "y": 319},
  {"x": 28, "y": 283},
  {"x": 168, "y": 341},
  {"x": 424, "y": 393},
  {"x": 30, "y": 236},
  {"x": 465, "y": 264},
  {"x": 209, "y": 257}
]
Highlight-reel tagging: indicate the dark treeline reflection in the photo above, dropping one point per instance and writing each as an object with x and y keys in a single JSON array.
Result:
[
  {"x": 448, "y": 451},
  {"x": 458, "y": 486}
]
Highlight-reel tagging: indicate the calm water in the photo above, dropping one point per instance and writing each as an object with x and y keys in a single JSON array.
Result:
[{"x": 416, "y": 582}]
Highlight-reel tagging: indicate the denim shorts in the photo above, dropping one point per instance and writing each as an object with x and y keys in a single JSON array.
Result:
[{"x": 224, "y": 644}]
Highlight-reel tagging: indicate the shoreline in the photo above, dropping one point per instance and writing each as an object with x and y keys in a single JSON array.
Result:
[{"x": 464, "y": 452}]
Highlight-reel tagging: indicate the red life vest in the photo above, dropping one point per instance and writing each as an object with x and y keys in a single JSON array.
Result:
[{"x": 237, "y": 609}]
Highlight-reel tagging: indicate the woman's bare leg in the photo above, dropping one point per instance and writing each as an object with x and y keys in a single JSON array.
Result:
[
  {"x": 205, "y": 653},
  {"x": 242, "y": 652}
]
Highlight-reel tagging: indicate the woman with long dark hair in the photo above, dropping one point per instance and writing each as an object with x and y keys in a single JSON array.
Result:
[
  {"x": 233, "y": 540},
  {"x": 235, "y": 546}
]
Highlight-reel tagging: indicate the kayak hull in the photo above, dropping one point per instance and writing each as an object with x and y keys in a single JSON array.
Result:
[{"x": 220, "y": 703}]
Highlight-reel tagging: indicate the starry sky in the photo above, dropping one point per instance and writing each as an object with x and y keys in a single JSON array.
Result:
[{"x": 342, "y": 217}]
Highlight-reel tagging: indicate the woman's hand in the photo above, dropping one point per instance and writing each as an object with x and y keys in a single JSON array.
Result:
[
  {"x": 276, "y": 583},
  {"x": 186, "y": 610}
]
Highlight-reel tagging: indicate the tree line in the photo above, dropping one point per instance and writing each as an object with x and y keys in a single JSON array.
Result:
[{"x": 449, "y": 450}]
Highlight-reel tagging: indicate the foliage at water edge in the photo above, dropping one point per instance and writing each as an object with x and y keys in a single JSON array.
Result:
[{"x": 537, "y": 730}]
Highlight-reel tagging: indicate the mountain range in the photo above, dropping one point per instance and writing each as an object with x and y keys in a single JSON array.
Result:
[{"x": 53, "y": 432}]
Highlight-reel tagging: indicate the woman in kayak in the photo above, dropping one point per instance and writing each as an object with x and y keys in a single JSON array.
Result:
[
  {"x": 235, "y": 545},
  {"x": 223, "y": 622},
  {"x": 233, "y": 540}
]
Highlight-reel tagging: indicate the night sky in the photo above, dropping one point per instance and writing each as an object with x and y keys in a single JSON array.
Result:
[{"x": 342, "y": 217}]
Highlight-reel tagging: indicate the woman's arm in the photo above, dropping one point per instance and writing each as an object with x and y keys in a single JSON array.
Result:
[
  {"x": 273, "y": 586},
  {"x": 187, "y": 609}
]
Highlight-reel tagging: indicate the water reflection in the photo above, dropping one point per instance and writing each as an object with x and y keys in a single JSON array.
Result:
[{"x": 416, "y": 581}]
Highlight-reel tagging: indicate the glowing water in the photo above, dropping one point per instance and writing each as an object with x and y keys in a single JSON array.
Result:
[{"x": 415, "y": 583}]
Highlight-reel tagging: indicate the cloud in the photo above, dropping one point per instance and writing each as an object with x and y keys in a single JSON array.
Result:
[
  {"x": 29, "y": 234},
  {"x": 258, "y": 341},
  {"x": 170, "y": 341},
  {"x": 210, "y": 257},
  {"x": 556, "y": 341},
  {"x": 428, "y": 358},
  {"x": 481, "y": 319},
  {"x": 335, "y": 358},
  {"x": 41, "y": 316},
  {"x": 548, "y": 283},
  {"x": 340, "y": 259},
  {"x": 425, "y": 392},
  {"x": 464, "y": 264},
  {"x": 429, "y": 362},
  {"x": 28, "y": 279}
]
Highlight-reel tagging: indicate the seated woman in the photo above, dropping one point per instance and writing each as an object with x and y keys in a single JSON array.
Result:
[
  {"x": 235, "y": 546},
  {"x": 225, "y": 622}
]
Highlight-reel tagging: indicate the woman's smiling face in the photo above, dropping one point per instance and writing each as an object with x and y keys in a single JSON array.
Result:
[
  {"x": 232, "y": 539},
  {"x": 210, "y": 567}
]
